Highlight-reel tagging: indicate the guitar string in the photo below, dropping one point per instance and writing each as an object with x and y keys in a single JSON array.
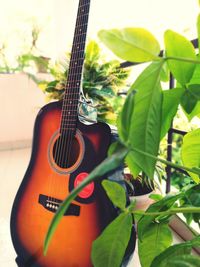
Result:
[
  {"x": 64, "y": 134},
  {"x": 80, "y": 38},
  {"x": 77, "y": 76},
  {"x": 57, "y": 148},
  {"x": 83, "y": 26},
  {"x": 62, "y": 145},
  {"x": 68, "y": 112}
]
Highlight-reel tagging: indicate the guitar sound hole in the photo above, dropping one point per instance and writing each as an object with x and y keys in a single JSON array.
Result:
[{"x": 66, "y": 150}]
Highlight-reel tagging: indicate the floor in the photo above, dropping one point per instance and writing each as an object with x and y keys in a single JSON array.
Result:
[{"x": 13, "y": 164}]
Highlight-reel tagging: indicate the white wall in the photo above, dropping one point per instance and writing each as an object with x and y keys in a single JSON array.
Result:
[{"x": 20, "y": 101}]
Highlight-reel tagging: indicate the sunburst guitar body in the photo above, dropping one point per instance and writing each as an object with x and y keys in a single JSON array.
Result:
[{"x": 48, "y": 180}]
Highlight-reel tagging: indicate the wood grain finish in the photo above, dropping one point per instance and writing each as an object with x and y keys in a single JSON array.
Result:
[{"x": 71, "y": 244}]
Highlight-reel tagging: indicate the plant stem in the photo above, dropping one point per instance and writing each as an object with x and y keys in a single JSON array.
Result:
[
  {"x": 168, "y": 212},
  {"x": 166, "y": 162},
  {"x": 188, "y": 60}
]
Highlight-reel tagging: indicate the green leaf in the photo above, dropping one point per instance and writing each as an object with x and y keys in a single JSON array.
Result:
[
  {"x": 190, "y": 97},
  {"x": 115, "y": 147},
  {"x": 109, "y": 249},
  {"x": 109, "y": 164},
  {"x": 92, "y": 52},
  {"x": 190, "y": 152},
  {"x": 188, "y": 101},
  {"x": 155, "y": 240},
  {"x": 171, "y": 100},
  {"x": 198, "y": 29},
  {"x": 156, "y": 197},
  {"x": 192, "y": 197},
  {"x": 184, "y": 261},
  {"x": 195, "y": 112},
  {"x": 116, "y": 193},
  {"x": 164, "y": 204},
  {"x": 124, "y": 120},
  {"x": 130, "y": 161},
  {"x": 164, "y": 73},
  {"x": 195, "y": 90},
  {"x": 165, "y": 257},
  {"x": 178, "y": 46},
  {"x": 132, "y": 44},
  {"x": 144, "y": 132},
  {"x": 196, "y": 75}
]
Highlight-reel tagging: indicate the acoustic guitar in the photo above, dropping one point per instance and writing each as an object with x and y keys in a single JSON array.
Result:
[{"x": 64, "y": 152}]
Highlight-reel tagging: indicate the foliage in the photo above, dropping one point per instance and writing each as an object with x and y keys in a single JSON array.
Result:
[
  {"x": 29, "y": 61},
  {"x": 191, "y": 151},
  {"x": 102, "y": 81},
  {"x": 144, "y": 120}
]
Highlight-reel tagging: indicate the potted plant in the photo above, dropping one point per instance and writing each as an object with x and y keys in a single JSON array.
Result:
[
  {"x": 144, "y": 120},
  {"x": 102, "y": 82}
]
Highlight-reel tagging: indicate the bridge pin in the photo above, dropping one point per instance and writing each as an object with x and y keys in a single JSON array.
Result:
[
  {"x": 47, "y": 205},
  {"x": 50, "y": 205},
  {"x": 53, "y": 207},
  {"x": 56, "y": 207}
]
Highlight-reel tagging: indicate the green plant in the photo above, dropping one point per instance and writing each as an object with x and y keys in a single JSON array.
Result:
[
  {"x": 143, "y": 122},
  {"x": 102, "y": 81},
  {"x": 29, "y": 61}
]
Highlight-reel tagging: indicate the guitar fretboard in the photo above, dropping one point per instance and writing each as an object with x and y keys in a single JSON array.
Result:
[{"x": 72, "y": 88}]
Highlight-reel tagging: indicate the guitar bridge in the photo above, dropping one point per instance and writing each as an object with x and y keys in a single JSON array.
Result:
[{"x": 52, "y": 204}]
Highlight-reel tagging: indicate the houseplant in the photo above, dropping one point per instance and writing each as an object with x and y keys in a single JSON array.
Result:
[
  {"x": 102, "y": 82},
  {"x": 144, "y": 120}
]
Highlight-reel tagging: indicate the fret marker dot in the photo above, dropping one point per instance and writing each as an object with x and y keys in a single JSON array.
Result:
[
  {"x": 69, "y": 112},
  {"x": 77, "y": 83},
  {"x": 80, "y": 30}
]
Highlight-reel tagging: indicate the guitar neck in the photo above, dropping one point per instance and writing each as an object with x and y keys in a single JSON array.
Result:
[{"x": 72, "y": 87}]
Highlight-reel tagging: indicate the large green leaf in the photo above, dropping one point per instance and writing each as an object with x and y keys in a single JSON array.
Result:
[
  {"x": 190, "y": 152},
  {"x": 132, "y": 44},
  {"x": 195, "y": 90},
  {"x": 109, "y": 248},
  {"x": 184, "y": 261},
  {"x": 144, "y": 132},
  {"x": 195, "y": 112},
  {"x": 190, "y": 97},
  {"x": 165, "y": 257},
  {"x": 171, "y": 100},
  {"x": 188, "y": 101},
  {"x": 192, "y": 197},
  {"x": 196, "y": 74},
  {"x": 92, "y": 52},
  {"x": 124, "y": 120},
  {"x": 155, "y": 240},
  {"x": 164, "y": 204},
  {"x": 198, "y": 30},
  {"x": 130, "y": 161},
  {"x": 178, "y": 46},
  {"x": 109, "y": 164},
  {"x": 116, "y": 193}
]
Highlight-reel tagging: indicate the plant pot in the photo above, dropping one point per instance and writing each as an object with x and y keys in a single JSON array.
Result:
[{"x": 140, "y": 192}]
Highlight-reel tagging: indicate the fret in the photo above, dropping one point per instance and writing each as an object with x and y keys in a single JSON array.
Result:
[
  {"x": 67, "y": 129},
  {"x": 69, "y": 124},
  {"x": 76, "y": 59},
  {"x": 74, "y": 74},
  {"x": 67, "y": 105},
  {"x": 67, "y": 116},
  {"x": 69, "y": 120}
]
